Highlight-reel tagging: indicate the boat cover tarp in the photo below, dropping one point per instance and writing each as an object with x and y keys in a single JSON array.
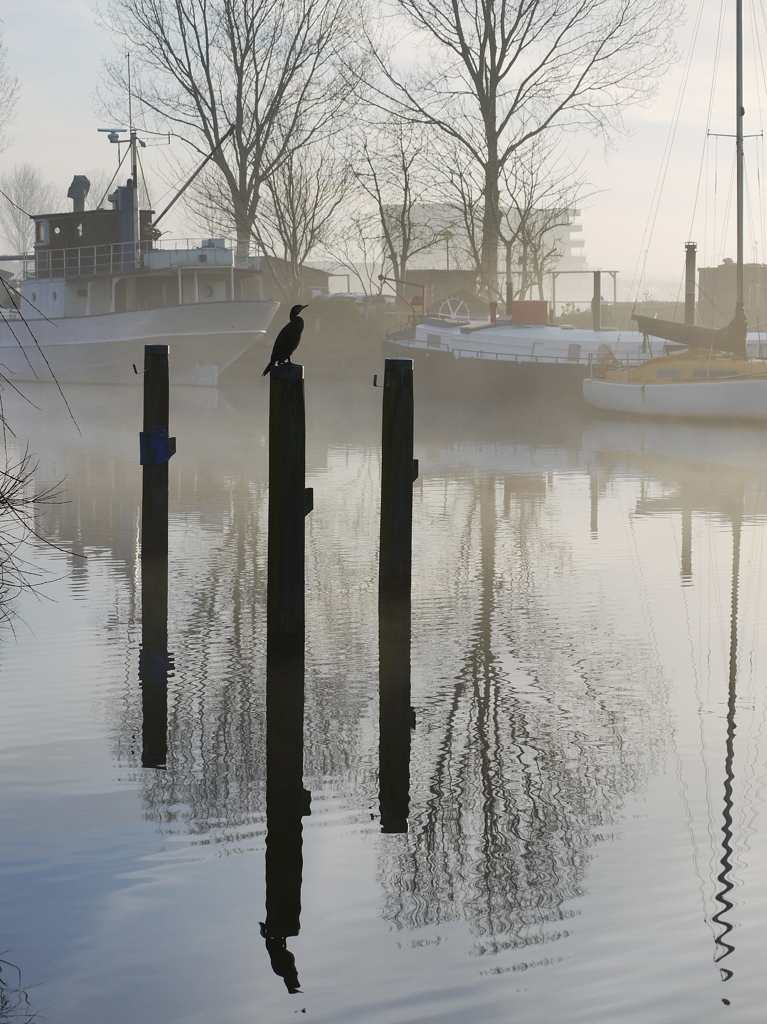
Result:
[{"x": 731, "y": 338}]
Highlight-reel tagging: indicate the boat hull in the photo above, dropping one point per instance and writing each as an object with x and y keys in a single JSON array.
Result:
[
  {"x": 705, "y": 399},
  {"x": 204, "y": 338}
]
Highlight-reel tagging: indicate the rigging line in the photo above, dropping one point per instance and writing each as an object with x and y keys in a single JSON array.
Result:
[
  {"x": 750, "y": 209},
  {"x": 16, "y": 205},
  {"x": 728, "y": 207},
  {"x": 665, "y": 160},
  {"x": 112, "y": 181},
  {"x": 45, "y": 360},
  {"x": 704, "y": 150},
  {"x": 757, "y": 42}
]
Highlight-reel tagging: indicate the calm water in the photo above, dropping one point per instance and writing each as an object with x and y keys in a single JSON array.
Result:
[{"x": 573, "y": 830}]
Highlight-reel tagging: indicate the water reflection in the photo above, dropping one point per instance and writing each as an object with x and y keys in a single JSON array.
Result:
[
  {"x": 724, "y": 877},
  {"x": 396, "y": 717},
  {"x": 531, "y": 747},
  {"x": 546, "y": 558},
  {"x": 286, "y": 803},
  {"x": 155, "y": 663}
]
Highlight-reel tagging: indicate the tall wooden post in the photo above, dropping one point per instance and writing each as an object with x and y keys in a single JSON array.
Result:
[
  {"x": 398, "y": 471},
  {"x": 596, "y": 302},
  {"x": 289, "y": 503},
  {"x": 155, "y": 663},
  {"x": 156, "y": 449},
  {"x": 395, "y": 714},
  {"x": 690, "y": 250}
]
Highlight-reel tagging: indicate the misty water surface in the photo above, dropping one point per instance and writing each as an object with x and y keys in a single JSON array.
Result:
[{"x": 568, "y": 825}]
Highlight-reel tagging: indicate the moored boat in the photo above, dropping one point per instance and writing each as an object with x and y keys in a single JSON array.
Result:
[{"x": 101, "y": 284}]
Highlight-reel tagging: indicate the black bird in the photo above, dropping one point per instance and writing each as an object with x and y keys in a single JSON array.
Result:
[{"x": 287, "y": 340}]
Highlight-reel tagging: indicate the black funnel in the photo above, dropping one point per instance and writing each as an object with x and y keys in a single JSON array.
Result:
[{"x": 78, "y": 190}]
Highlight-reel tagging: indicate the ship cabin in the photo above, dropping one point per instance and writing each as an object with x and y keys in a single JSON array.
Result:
[{"x": 91, "y": 262}]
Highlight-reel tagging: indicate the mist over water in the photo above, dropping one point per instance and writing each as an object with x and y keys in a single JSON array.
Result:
[{"x": 535, "y": 794}]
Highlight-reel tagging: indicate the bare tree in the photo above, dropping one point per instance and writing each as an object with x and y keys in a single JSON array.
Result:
[
  {"x": 358, "y": 248},
  {"x": 270, "y": 71},
  {"x": 391, "y": 166},
  {"x": 541, "y": 190},
  {"x": 9, "y": 94},
  {"x": 501, "y": 72},
  {"x": 303, "y": 199},
  {"x": 26, "y": 193}
]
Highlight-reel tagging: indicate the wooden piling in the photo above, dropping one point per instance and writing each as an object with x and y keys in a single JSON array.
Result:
[
  {"x": 398, "y": 472},
  {"x": 289, "y": 503},
  {"x": 596, "y": 302},
  {"x": 156, "y": 448}
]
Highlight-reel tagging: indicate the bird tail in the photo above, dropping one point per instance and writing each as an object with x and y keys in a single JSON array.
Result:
[{"x": 267, "y": 369}]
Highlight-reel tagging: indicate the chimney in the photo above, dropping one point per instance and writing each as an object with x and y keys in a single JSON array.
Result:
[{"x": 78, "y": 190}]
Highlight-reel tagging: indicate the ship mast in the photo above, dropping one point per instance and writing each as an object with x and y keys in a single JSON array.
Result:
[{"x": 739, "y": 114}]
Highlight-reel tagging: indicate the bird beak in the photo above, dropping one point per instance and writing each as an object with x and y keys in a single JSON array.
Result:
[{"x": 306, "y": 306}]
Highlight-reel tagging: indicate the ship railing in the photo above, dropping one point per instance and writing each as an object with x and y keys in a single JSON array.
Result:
[{"x": 123, "y": 257}]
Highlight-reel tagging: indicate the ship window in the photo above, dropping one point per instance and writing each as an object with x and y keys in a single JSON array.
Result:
[
  {"x": 79, "y": 231},
  {"x": 55, "y": 296},
  {"x": 34, "y": 296},
  {"x": 57, "y": 231},
  {"x": 40, "y": 231}
]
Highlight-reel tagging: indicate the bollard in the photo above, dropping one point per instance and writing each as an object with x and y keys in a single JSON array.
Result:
[
  {"x": 156, "y": 449},
  {"x": 286, "y": 803},
  {"x": 395, "y": 715},
  {"x": 289, "y": 503},
  {"x": 690, "y": 249},
  {"x": 398, "y": 472},
  {"x": 596, "y": 302},
  {"x": 155, "y": 663}
]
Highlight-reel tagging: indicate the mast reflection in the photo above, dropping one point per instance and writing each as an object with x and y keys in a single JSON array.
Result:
[
  {"x": 155, "y": 663},
  {"x": 724, "y": 878},
  {"x": 286, "y": 803},
  {"x": 395, "y": 714}
]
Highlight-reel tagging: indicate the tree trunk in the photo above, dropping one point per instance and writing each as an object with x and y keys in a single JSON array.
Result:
[
  {"x": 490, "y": 238},
  {"x": 523, "y": 262}
]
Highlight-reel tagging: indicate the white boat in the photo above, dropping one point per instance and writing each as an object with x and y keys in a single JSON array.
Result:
[
  {"x": 739, "y": 399},
  {"x": 100, "y": 285},
  {"x": 554, "y": 353},
  {"x": 713, "y": 375},
  {"x": 558, "y": 351}
]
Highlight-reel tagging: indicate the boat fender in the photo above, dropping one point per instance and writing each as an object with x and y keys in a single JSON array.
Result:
[{"x": 156, "y": 447}]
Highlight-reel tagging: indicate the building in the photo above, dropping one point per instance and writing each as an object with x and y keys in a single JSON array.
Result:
[{"x": 717, "y": 289}]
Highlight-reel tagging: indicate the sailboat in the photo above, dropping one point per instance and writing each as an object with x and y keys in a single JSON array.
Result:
[{"x": 708, "y": 375}]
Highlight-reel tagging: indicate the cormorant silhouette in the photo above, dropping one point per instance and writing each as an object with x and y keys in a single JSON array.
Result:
[{"x": 287, "y": 340}]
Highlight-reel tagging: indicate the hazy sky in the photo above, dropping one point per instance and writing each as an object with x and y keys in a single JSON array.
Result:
[{"x": 55, "y": 48}]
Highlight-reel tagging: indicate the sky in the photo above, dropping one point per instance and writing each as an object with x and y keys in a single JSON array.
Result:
[{"x": 56, "y": 49}]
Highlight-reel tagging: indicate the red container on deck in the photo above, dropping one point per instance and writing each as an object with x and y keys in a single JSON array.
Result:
[{"x": 530, "y": 311}]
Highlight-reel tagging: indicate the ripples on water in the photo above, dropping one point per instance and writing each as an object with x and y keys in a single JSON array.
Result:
[{"x": 536, "y": 794}]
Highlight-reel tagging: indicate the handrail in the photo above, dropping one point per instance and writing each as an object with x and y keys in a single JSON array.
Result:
[{"x": 121, "y": 257}]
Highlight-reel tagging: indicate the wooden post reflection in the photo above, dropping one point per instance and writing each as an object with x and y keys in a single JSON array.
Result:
[
  {"x": 286, "y": 802},
  {"x": 395, "y": 714},
  {"x": 155, "y": 663},
  {"x": 686, "y": 542}
]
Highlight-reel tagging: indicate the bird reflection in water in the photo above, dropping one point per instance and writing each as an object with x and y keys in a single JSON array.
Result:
[
  {"x": 155, "y": 663},
  {"x": 396, "y": 717},
  {"x": 286, "y": 803}
]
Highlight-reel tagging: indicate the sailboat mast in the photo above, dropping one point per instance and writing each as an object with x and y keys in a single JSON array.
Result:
[{"x": 739, "y": 114}]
